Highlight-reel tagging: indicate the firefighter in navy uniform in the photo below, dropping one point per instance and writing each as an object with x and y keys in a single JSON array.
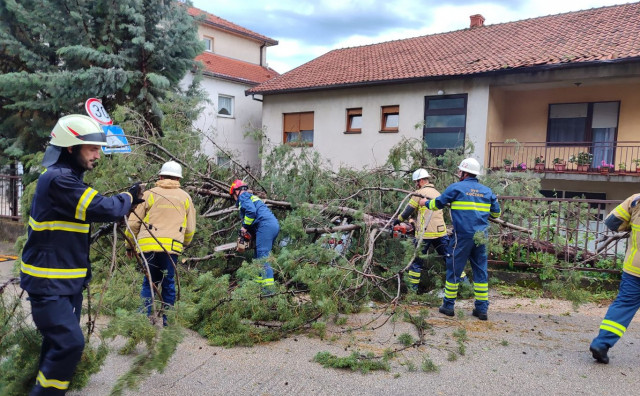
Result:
[
  {"x": 259, "y": 221},
  {"x": 471, "y": 205},
  {"x": 430, "y": 226},
  {"x": 55, "y": 264},
  {"x": 625, "y": 217}
]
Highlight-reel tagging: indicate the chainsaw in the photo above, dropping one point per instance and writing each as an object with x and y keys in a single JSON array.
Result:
[
  {"x": 403, "y": 230},
  {"x": 244, "y": 241}
]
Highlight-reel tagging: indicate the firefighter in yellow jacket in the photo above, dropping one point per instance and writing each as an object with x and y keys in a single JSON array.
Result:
[
  {"x": 430, "y": 225},
  {"x": 624, "y": 217},
  {"x": 163, "y": 224}
]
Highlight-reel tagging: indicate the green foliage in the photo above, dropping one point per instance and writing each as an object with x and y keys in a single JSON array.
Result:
[
  {"x": 354, "y": 362},
  {"x": 134, "y": 326},
  {"x": 428, "y": 366},
  {"x": 91, "y": 362},
  {"x": 57, "y": 54},
  {"x": 406, "y": 339},
  {"x": 155, "y": 358},
  {"x": 461, "y": 337},
  {"x": 19, "y": 348}
]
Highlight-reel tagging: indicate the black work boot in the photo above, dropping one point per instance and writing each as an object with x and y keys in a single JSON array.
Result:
[
  {"x": 479, "y": 315},
  {"x": 600, "y": 354},
  {"x": 446, "y": 311}
]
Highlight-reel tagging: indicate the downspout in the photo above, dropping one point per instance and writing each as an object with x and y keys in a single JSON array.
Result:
[{"x": 261, "y": 47}]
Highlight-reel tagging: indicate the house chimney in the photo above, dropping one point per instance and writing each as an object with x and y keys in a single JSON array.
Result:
[{"x": 477, "y": 20}]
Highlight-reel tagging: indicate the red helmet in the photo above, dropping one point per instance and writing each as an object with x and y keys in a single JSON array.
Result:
[{"x": 236, "y": 185}]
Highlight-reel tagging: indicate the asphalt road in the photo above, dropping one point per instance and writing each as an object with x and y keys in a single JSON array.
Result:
[{"x": 528, "y": 346}]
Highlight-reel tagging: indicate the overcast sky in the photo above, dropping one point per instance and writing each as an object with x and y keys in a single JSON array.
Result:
[{"x": 308, "y": 29}]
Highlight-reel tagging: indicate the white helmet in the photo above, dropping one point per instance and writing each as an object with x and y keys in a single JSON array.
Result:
[
  {"x": 171, "y": 168},
  {"x": 73, "y": 130},
  {"x": 420, "y": 174},
  {"x": 470, "y": 165}
]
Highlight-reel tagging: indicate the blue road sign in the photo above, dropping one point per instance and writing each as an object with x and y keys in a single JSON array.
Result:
[{"x": 117, "y": 142}]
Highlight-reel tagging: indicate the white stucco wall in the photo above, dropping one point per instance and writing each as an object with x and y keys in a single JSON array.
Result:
[
  {"x": 233, "y": 46},
  {"x": 228, "y": 132},
  {"x": 370, "y": 148}
]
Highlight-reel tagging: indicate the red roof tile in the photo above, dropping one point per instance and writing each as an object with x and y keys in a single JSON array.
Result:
[
  {"x": 233, "y": 69},
  {"x": 223, "y": 24},
  {"x": 597, "y": 35}
]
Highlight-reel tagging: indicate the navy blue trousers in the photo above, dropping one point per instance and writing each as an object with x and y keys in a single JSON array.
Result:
[
  {"x": 620, "y": 313},
  {"x": 441, "y": 245},
  {"x": 463, "y": 249},
  {"x": 58, "y": 320},
  {"x": 161, "y": 266}
]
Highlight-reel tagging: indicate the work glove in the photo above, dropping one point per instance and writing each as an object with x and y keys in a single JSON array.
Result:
[
  {"x": 396, "y": 221},
  {"x": 136, "y": 192}
]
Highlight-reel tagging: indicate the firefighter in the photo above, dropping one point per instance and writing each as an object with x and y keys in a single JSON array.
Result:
[
  {"x": 55, "y": 264},
  {"x": 169, "y": 224},
  {"x": 430, "y": 226},
  {"x": 261, "y": 224},
  {"x": 624, "y": 217},
  {"x": 471, "y": 205}
]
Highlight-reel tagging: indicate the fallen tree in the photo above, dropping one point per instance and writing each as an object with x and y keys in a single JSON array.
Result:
[{"x": 316, "y": 282}]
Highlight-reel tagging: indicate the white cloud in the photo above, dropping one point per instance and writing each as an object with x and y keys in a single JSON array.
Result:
[{"x": 388, "y": 20}]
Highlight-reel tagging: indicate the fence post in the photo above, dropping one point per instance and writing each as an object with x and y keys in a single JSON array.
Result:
[{"x": 13, "y": 188}]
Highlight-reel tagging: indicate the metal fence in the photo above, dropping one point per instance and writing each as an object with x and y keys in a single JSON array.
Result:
[
  {"x": 10, "y": 192},
  {"x": 572, "y": 230}
]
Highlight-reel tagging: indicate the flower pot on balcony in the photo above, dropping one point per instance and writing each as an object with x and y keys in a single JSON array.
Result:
[
  {"x": 583, "y": 168},
  {"x": 605, "y": 170},
  {"x": 538, "y": 168},
  {"x": 559, "y": 168}
]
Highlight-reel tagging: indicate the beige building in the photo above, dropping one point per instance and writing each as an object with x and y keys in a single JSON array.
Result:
[
  {"x": 560, "y": 85},
  {"x": 235, "y": 59}
]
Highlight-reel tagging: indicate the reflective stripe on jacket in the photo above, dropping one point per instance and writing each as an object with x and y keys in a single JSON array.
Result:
[
  {"x": 471, "y": 205},
  {"x": 253, "y": 211},
  {"x": 626, "y": 217},
  {"x": 436, "y": 227},
  {"x": 55, "y": 258},
  {"x": 168, "y": 212}
]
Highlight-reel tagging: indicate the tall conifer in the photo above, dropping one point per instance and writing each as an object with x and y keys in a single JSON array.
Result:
[{"x": 55, "y": 54}]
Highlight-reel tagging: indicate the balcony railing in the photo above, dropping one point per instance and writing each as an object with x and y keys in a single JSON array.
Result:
[{"x": 618, "y": 158}]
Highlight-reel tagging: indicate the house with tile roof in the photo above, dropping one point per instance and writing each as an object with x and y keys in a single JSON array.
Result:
[
  {"x": 563, "y": 86},
  {"x": 235, "y": 59}
]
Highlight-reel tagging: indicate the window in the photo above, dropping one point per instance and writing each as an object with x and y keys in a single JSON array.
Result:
[
  {"x": 595, "y": 123},
  {"x": 208, "y": 43},
  {"x": 225, "y": 105},
  {"x": 354, "y": 120},
  {"x": 581, "y": 122},
  {"x": 390, "y": 118},
  {"x": 298, "y": 128},
  {"x": 445, "y": 122},
  {"x": 223, "y": 160}
]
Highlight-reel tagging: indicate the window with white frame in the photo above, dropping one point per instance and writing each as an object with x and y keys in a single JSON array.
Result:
[
  {"x": 223, "y": 160},
  {"x": 208, "y": 43},
  {"x": 225, "y": 106}
]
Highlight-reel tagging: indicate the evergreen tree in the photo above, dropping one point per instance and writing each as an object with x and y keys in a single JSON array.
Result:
[{"x": 55, "y": 54}]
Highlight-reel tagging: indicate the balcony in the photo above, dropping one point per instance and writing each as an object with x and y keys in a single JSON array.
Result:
[{"x": 573, "y": 160}]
